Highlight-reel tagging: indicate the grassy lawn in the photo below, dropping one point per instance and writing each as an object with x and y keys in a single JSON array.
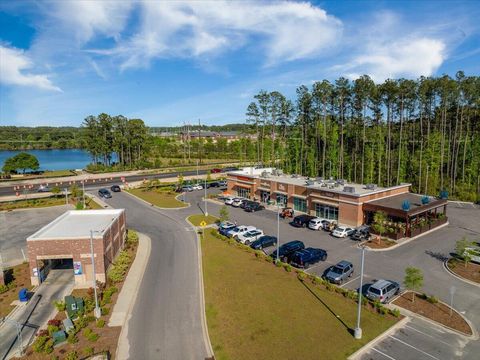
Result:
[
  {"x": 92, "y": 205},
  {"x": 32, "y": 203},
  {"x": 258, "y": 311},
  {"x": 158, "y": 198},
  {"x": 16, "y": 277},
  {"x": 45, "y": 175},
  {"x": 197, "y": 219}
]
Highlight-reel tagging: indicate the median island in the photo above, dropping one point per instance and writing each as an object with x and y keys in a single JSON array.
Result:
[
  {"x": 256, "y": 310},
  {"x": 159, "y": 197}
]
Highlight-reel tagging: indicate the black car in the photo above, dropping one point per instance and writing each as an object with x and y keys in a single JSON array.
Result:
[
  {"x": 288, "y": 249},
  {"x": 104, "y": 193},
  {"x": 360, "y": 235},
  {"x": 306, "y": 257},
  {"x": 254, "y": 206},
  {"x": 230, "y": 168},
  {"x": 246, "y": 203},
  {"x": 263, "y": 242},
  {"x": 213, "y": 184},
  {"x": 115, "y": 188},
  {"x": 301, "y": 220}
]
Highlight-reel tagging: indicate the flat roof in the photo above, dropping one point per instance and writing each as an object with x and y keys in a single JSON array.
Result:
[
  {"x": 76, "y": 224},
  {"x": 328, "y": 185},
  {"x": 415, "y": 200}
]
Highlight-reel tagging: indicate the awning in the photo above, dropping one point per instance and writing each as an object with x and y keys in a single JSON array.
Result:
[
  {"x": 325, "y": 202},
  {"x": 244, "y": 186},
  {"x": 264, "y": 189},
  {"x": 300, "y": 196},
  {"x": 280, "y": 192}
]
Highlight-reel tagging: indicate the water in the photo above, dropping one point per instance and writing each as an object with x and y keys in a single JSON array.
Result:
[{"x": 59, "y": 159}]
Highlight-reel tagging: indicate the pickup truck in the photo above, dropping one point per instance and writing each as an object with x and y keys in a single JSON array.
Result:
[{"x": 307, "y": 257}]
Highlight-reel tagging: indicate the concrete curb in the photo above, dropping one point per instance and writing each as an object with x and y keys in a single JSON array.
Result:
[
  {"x": 409, "y": 313},
  {"x": 357, "y": 354},
  {"x": 451, "y": 272},
  {"x": 122, "y": 311},
  {"x": 158, "y": 207},
  {"x": 206, "y": 336},
  {"x": 407, "y": 241}
]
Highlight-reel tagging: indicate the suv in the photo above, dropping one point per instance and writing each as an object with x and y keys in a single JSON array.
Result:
[
  {"x": 187, "y": 188},
  {"x": 249, "y": 236},
  {"x": 306, "y": 257},
  {"x": 340, "y": 272},
  {"x": 362, "y": 233},
  {"x": 245, "y": 203},
  {"x": 225, "y": 227},
  {"x": 302, "y": 220},
  {"x": 383, "y": 290},
  {"x": 288, "y": 249},
  {"x": 253, "y": 206},
  {"x": 342, "y": 232},
  {"x": 229, "y": 200},
  {"x": 104, "y": 193},
  {"x": 115, "y": 188},
  {"x": 237, "y": 202},
  {"x": 263, "y": 242},
  {"x": 316, "y": 224},
  {"x": 238, "y": 230}
]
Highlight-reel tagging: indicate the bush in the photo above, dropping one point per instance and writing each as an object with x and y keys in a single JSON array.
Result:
[
  {"x": 72, "y": 355},
  {"x": 90, "y": 335},
  {"x": 72, "y": 337},
  {"x": 88, "y": 351},
  {"x": 82, "y": 322},
  {"x": 48, "y": 347},
  {"x": 132, "y": 237},
  {"x": 105, "y": 311},
  {"x": 395, "y": 312},
  {"x": 107, "y": 294},
  {"x": 301, "y": 276},
  {"x": 100, "y": 323},
  {"x": 54, "y": 322},
  {"x": 278, "y": 264},
  {"x": 119, "y": 269},
  {"x": 39, "y": 344},
  {"x": 52, "y": 329},
  {"x": 287, "y": 267},
  {"x": 60, "y": 305},
  {"x": 3, "y": 288},
  {"x": 432, "y": 299}
]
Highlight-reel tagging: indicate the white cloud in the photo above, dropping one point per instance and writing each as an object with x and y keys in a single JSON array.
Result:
[{"x": 13, "y": 66}]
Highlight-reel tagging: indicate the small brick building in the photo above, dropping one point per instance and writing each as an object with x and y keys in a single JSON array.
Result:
[{"x": 68, "y": 238}]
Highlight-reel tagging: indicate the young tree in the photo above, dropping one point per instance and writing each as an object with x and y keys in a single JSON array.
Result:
[
  {"x": 378, "y": 225},
  {"x": 56, "y": 190},
  {"x": 413, "y": 280},
  {"x": 224, "y": 215},
  {"x": 75, "y": 191},
  {"x": 180, "y": 180},
  {"x": 461, "y": 249}
]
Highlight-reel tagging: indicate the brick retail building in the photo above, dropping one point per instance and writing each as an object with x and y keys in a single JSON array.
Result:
[{"x": 67, "y": 238}]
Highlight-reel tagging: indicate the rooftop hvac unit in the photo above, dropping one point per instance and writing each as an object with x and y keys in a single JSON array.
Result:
[
  {"x": 371, "y": 186},
  {"x": 319, "y": 179},
  {"x": 341, "y": 181},
  {"x": 309, "y": 182},
  {"x": 294, "y": 176},
  {"x": 264, "y": 174},
  {"x": 349, "y": 189},
  {"x": 279, "y": 172}
]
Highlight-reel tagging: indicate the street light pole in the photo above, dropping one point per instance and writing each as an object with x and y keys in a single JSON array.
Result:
[
  {"x": 97, "y": 312},
  {"x": 83, "y": 193},
  {"x": 278, "y": 232},
  {"x": 205, "y": 197},
  {"x": 358, "y": 329}
]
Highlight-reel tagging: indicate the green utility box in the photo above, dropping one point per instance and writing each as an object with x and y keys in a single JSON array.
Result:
[
  {"x": 59, "y": 337},
  {"x": 73, "y": 305}
]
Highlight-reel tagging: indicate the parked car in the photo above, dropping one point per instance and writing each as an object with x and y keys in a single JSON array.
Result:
[
  {"x": 307, "y": 257},
  {"x": 286, "y": 213},
  {"x": 288, "y": 249},
  {"x": 340, "y": 272},
  {"x": 473, "y": 253},
  {"x": 383, "y": 290},
  {"x": 213, "y": 184},
  {"x": 342, "y": 232},
  {"x": 115, "y": 188},
  {"x": 237, "y": 202},
  {"x": 187, "y": 188},
  {"x": 238, "y": 230},
  {"x": 301, "y": 220},
  {"x": 245, "y": 203},
  {"x": 263, "y": 242},
  {"x": 222, "y": 183},
  {"x": 316, "y": 223},
  {"x": 43, "y": 188},
  {"x": 230, "y": 168},
  {"x": 254, "y": 206},
  {"x": 197, "y": 187},
  {"x": 225, "y": 227},
  {"x": 329, "y": 225},
  {"x": 229, "y": 200},
  {"x": 361, "y": 234},
  {"x": 104, "y": 193},
  {"x": 216, "y": 170},
  {"x": 250, "y": 236}
]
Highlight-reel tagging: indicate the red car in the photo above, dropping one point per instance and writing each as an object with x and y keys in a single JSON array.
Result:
[{"x": 216, "y": 170}]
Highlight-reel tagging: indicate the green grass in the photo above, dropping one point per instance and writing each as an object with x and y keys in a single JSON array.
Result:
[
  {"x": 158, "y": 198},
  {"x": 197, "y": 219},
  {"x": 92, "y": 205},
  {"x": 32, "y": 203},
  {"x": 45, "y": 175},
  {"x": 258, "y": 311}
]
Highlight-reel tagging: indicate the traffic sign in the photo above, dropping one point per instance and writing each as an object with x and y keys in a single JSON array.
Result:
[{"x": 203, "y": 223}]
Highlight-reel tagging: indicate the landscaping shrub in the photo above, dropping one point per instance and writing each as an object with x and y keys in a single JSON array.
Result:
[
  {"x": 48, "y": 347},
  {"x": 105, "y": 311},
  {"x": 119, "y": 269},
  {"x": 278, "y": 264},
  {"x": 72, "y": 337},
  {"x": 39, "y": 344},
  {"x": 100, "y": 323},
  {"x": 395, "y": 312},
  {"x": 132, "y": 237},
  {"x": 72, "y": 355},
  {"x": 54, "y": 322},
  {"x": 3, "y": 288},
  {"x": 107, "y": 294},
  {"x": 287, "y": 267},
  {"x": 301, "y": 276},
  {"x": 88, "y": 351},
  {"x": 432, "y": 299},
  {"x": 80, "y": 323},
  {"x": 59, "y": 305},
  {"x": 52, "y": 329},
  {"x": 90, "y": 335}
]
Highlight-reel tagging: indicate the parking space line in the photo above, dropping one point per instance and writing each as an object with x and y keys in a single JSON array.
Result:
[
  {"x": 413, "y": 347},
  {"x": 348, "y": 282},
  {"x": 430, "y": 336},
  {"x": 382, "y": 353},
  {"x": 317, "y": 266}
]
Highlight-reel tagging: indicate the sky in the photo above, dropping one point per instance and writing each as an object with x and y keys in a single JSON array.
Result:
[{"x": 175, "y": 62}]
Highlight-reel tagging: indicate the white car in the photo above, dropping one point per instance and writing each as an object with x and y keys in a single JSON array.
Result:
[
  {"x": 197, "y": 187},
  {"x": 342, "y": 232},
  {"x": 328, "y": 223},
  {"x": 229, "y": 200},
  {"x": 239, "y": 230},
  {"x": 237, "y": 202},
  {"x": 250, "y": 236},
  {"x": 316, "y": 224}
]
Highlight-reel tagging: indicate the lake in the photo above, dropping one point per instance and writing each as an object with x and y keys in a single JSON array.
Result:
[{"x": 58, "y": 159}]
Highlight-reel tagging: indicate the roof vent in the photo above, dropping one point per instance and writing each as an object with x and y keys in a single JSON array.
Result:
[
  {"x": 309, "y": 182},
  {"x": 341, "y": 181},
  {"x": 264, "y": 174},
  {"x": 294, "y": 176},
  {"x": 371, "y": 186},
  {"x": 349, "y": 189}
]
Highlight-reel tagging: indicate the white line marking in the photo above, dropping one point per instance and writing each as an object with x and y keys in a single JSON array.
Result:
[
  {"x": 348, "y": 282},
  {"x": 413, "y": 347},
  {"x": 430, "y": 336},
  {"x": 382, "y": 353}
]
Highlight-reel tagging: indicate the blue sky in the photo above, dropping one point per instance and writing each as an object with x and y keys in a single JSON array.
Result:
[{"x": 174, "y": 62}]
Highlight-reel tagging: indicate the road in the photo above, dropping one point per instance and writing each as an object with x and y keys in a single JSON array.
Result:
[{"x": 166, "y": 322}]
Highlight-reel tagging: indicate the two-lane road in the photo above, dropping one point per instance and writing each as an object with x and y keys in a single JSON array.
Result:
[{"x": 166, "y": 322}]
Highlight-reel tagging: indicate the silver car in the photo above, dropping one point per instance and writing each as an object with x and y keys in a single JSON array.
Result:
[
  {"x": 340, "y": 272},
  {"x": 383, "y": 290}
]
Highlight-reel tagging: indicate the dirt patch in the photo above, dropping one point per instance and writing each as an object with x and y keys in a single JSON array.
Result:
[
  {"x": 437, "y": 312},
  {"x": 470, "y": 272},
  {"x": 16, "y": 277},
  {"x": 383, "y": 243}
]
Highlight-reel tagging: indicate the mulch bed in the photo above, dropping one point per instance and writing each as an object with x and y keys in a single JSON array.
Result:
[
  {"x": 470, "y": 272},
  {"x": 438, "y": 312},
  {"x": 383, "y": 244},
  {"x": 20, "y": 276}
]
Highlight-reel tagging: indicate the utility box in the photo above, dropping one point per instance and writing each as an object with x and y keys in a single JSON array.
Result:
[
  {"x": 73, "y": 305},
  {"x": 59, "y": 337},
  {"x": 68, "y": 324},
  {"x": 23, "y": 295}
]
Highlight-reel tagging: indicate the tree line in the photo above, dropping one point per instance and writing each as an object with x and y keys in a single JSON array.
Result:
[
  {"x": 424, "y": 131},
  {"x": 42, "y": 137}
]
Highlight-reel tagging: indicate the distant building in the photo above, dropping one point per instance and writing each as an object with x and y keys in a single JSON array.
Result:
[{"x": 214, "y": 135}]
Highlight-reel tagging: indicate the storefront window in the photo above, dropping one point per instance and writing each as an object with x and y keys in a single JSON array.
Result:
[
  {"x": 326, "y": 212},
  {"x": 282, "y": 199},
  {"x": 244, "y": 193},
  {"x": 264, "y": 196},
  {"x": 299, "y": 204}
]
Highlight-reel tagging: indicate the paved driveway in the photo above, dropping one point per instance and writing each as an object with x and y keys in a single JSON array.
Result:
[{"x": 16, "y": 226}]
